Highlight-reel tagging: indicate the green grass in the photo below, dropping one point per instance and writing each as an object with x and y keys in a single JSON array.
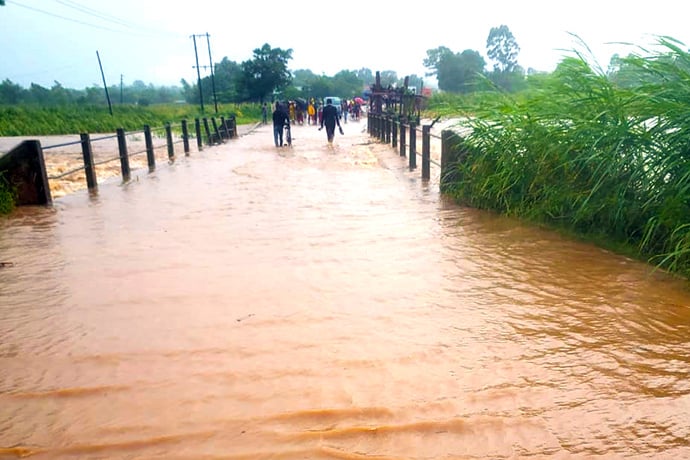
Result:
[
  {"x": 35, "y": 120},
  {"x": 577, "y": 151}
]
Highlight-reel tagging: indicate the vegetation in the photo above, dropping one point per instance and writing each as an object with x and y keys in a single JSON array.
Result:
[
  {"x": 581, "y": 152},
  {"x": 35, "y": 120},
  {"x": 6, "y": 196}
]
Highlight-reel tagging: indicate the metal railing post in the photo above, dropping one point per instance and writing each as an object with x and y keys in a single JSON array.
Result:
[
  {"x": 124, "y": 156},
  {"x": 89, "y": 167},
  {"x": 199, "y": 140},
  {"x": 185, "y": 137},
  {"x": 426, "y": 151},
  {"x": 150, "y": 155},
  {"x": 169, "y": 140},
  {"x": 413, "y": 146}
]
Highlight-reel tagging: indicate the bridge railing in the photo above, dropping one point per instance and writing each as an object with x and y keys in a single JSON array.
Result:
[
  {"x": 403, "y": 134},
  {"x": 25, "y": 165}
]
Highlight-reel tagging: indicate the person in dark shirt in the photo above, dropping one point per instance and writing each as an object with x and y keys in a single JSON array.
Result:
[
  {"x": 330, "y": 119},
  {"x": 280, "y": 119}
]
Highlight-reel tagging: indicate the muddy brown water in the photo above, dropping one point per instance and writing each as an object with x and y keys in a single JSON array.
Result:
[{"x": 310, "y": 303}]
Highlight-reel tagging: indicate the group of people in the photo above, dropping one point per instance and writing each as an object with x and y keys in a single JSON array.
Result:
[{"x": 327, "y": 116}]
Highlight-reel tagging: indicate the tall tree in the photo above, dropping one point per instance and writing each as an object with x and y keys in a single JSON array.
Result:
[
  {"x": 461, "y": 72},
  {"x": 435, "y": 58},
  {"x": 502, "y": 48},
  {"x": 266, "y": 72},
  {"x": 366, "y": 76},
  {"x": 10, "y": 93},
  {"x": 347, "y": 84},
  {"x": 228, "y": 77}
]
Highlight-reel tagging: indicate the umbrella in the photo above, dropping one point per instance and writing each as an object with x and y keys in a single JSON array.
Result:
[
  {"x": 302, "y": 103},
  {"x": 359, "y": 100}
]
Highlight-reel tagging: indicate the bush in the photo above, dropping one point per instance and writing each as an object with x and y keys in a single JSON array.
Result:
[{"x": 7, "y": 196}]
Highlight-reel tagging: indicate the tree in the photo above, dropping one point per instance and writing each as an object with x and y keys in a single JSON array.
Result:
[
  {"x": 502, "y": 49},
  {"x": 10, "y": 93},
  {"x": 266, "y": 73},
  {"x": 347, "y": 84},
  {"x": 435, "y": 58},
  {"x": 366, "y": 76},
  {"x": 39, "y": 95},
  {"x": 301, "y": 78},
  {"x": 228, "y": 81},
  {"x": 455, "y": 72},
  {"x": 460, "y": 73}
]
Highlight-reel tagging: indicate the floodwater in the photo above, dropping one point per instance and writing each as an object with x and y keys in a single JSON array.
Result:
[{"x": 252, "y": 302}]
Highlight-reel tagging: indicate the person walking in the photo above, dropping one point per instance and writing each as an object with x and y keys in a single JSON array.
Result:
[
  {"x": 311, "y": 113},
  {"x": 264, "y": 113},
  {"x": 280, "y": 119},
  {"x": 330, "y": 119}
]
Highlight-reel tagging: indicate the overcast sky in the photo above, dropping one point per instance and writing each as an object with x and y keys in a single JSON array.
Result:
[{"x": 44, "y": 41}]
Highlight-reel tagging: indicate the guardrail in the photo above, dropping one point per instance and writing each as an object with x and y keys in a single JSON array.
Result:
[
  {"x": 24, "y": 166},
  {"x": 402, "y": 135}
]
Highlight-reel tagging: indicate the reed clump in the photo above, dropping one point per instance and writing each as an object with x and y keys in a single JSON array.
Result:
[{"x": 591, "y": 153}]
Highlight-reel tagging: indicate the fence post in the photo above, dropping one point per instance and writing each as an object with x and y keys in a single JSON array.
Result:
[
  {"x": 233, "y": 127},
  {"x": 382, "y": 128},
  {"x": 413, "y": 146},
  {"x": 150, "y": 155},
  {"x": 452, "y": 152},
  {"x": 426, "y": 151},
  {"x": 394, "y": 135},
  {"x": 169, "y": 139},
  {"x": 89, "y": 167},
  {"x": 225, "y": 133},
  {"x": 208, "y": 131},
  {"x": 215, "y": 130},
  {"x": 388, "y": 129},
  {"x": 199, "y": 140},
  {"x": 124, "y": 157},
  {"x": 185, "y": 137},
  {"x": 402, "y": 139}
]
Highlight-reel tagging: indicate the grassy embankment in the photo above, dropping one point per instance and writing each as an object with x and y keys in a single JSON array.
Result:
[
  {"x": 42, "y": 121},
  {"x": 580, "y": 153}
]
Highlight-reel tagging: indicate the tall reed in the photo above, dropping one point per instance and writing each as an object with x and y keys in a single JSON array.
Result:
[{"x": 583, "y": 153}]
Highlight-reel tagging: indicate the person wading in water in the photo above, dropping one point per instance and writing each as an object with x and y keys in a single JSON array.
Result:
[
  {"x": 330, "y": 119},
  {"x": 280, "y": 119}
]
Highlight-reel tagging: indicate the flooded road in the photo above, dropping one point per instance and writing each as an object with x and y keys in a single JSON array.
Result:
[{"x": 252, "y": 302}]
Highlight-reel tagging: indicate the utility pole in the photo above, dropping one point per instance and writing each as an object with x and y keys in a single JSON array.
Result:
[
  {"x": 107, "y": 96},
  {"x": 198, "y": 75},
  {"x": 121, "y": 99},
  {"x": 213, "y": 81}
]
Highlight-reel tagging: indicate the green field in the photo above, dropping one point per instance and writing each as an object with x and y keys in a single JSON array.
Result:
[{"x": 35, "y": 120}]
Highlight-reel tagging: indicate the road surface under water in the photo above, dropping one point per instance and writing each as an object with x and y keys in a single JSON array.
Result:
[{"x": 311, "y": 303}]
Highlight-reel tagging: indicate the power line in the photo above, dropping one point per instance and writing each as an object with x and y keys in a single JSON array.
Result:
[
  {"x": 65, "y": 18},
  {"x": 94, "y": 13},
  {"x": 110, "y": 18},
  {"x": 136, "y": 32}
]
